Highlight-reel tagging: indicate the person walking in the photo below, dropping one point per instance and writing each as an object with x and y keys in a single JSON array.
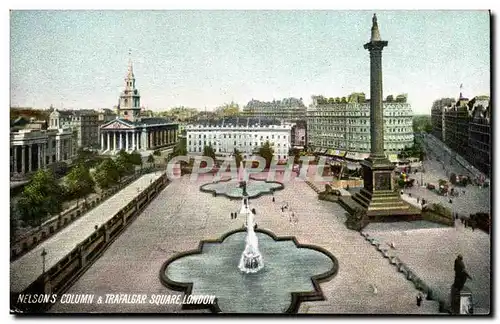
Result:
[
  {"x": 273, "y": 198},
  {"x": 419, "y": 299}
]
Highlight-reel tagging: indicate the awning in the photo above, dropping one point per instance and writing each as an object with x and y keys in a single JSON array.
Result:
[
  {"x": 334, "y": 152},
  {"x": 392, "y": 157},
  {"x": 356, "y": 156}
]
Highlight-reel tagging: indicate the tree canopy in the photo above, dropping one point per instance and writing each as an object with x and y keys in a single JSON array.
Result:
[
  {"x": 237, "y": 157},
  {"x": 79, "y": 182},
  {"x": 106, "y": 174},
  {"x": 41, "y": 197},
  {"x": 228, "y": 109},
  {"x": 209, "y": 151},
  {"x": 267, "y": 152}
]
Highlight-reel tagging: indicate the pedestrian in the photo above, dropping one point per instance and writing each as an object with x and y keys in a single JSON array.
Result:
[
  {"x": 418, "y": 200},
  {"x": 273, "y": 198},
  {"x": 419, "y": 299}
]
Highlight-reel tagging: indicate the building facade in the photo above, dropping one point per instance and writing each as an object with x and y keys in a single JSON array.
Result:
[
  {"x": 32, "y": 149},
  {"x": 84, "y": 121},
  {"x": 466, "y": 129},
  {"x": 480, "y": 135},
  {"x": 246, "y": 135},
  {"x": 131, "y": 131},
  {"x": 341, "y": 126},
  {"x": 437, "y": 120},
  {"x": 456, "y": 126},
  {"x": 287, "y": 109},
  {"x": 299, "y": 134}
]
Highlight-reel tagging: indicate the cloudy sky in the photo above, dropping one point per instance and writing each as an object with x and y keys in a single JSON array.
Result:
[{"x": 78, "y": 59}]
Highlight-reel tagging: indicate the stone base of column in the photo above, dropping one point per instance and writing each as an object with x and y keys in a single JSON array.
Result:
[{"x": 381, "y": 201}]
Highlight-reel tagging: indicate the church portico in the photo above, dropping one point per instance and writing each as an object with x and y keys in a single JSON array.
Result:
[{"x": 131, "y": 132}]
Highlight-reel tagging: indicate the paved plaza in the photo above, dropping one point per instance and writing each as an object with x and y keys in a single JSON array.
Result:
[
  {"x": 182, "y": 215},
  {"x": 429, "y": 250},
  {"x": 28, "y": 268}
]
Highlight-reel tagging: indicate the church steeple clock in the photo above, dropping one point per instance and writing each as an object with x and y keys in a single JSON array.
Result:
[{"x": 129, "y": 107}]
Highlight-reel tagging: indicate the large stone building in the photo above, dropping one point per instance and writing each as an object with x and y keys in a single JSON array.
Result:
[
  {"x": 466, "y": 129},
  {"x": 131, "y": 131},
  {"x": 33, "y": 149},
  {"x": 299, "y": 134},
  {"x": 287, "y": 109},
  {"x": 437, "y": 118},
  {"x": 84, "y": 121},
  {"x": 341, "y": 126},
  {"x": 480, "y": 134},
  {"x": 244, "y": 134}
]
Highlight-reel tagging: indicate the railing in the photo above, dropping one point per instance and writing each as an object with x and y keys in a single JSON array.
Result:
[
  {"x": 58, "y": 278},
  {"x": 32, "y": 239}
]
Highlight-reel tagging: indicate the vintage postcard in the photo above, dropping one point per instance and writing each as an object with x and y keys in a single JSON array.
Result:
[{"x": 250, "y": 162}]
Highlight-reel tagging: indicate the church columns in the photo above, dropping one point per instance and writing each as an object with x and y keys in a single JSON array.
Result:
[
  {"x": 29, "y": 158},
  {"x": 102, "y": 141},
  {"x": 133, "y": 140},
  {"x": 23, "y": 159},
  {"x": 39, "y": 156},
  {"x": 16, "y": 149},
  {"x": 114, "y": 141},
  {"x": 109, "y": 142},
  {"x": 126, "y": 141}
]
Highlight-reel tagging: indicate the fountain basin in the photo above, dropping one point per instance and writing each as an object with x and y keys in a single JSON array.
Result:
[
  {"x": 292, "y": 274},
  {"x": 230, "y": 188}
]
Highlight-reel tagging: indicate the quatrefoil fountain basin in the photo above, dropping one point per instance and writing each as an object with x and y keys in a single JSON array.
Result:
[
  {"x": 231, "y": 188},
  {"x": 292, "y": 274}
]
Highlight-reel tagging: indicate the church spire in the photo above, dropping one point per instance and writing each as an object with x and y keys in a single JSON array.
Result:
[
  {"x": 130, "y": 73},
  {"x": 375, "y": 31}
]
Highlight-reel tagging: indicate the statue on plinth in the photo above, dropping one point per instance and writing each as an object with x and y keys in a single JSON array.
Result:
[
  {"x": 461, "y": 274},
  {"x": 461, "y": 296}
]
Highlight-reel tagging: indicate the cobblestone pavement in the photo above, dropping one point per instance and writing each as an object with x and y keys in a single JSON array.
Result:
[
  {"x": 430, "y": 250},
  {"x": 182, "y": 215},
  {"x": 27, "y": 268}
]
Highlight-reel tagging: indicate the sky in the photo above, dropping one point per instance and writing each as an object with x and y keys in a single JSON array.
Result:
[{"x": 78, "y": 59}]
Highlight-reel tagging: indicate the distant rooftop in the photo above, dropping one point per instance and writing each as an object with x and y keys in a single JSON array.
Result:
[{"x": 238, "y": 121}]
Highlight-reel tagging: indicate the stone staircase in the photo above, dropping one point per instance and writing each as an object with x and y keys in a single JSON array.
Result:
[
  {"x": 313, "y": 186},
  {"x": 432, "y": 301}
]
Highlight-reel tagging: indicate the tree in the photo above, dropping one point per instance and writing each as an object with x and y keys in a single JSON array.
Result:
[
  {"x": 237, "y": 157},
  {"x": 86, "y": 157},
  {"x": 124, "y": 164},
  {"x": 40, "y": 198},
  {"x": 79, "y": 182},
  {"x": 228, "y": 109},
  {"x": 267, "y": 152},
  {"x": 136, "y": 159},
  {"x": 209, "y": 151},
  {"x": 106, "y": 174}
]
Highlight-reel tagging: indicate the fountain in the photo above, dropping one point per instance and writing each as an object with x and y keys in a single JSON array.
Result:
[
  {"x": 251, "y": 260},
  {"x": 243, "y": 186},
  {"x": 213, "y": 269}
]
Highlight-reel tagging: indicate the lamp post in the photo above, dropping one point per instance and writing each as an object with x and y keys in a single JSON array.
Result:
[{"x": 43, "y": 254}]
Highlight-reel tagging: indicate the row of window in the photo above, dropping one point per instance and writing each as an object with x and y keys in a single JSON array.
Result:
[
  {"x": 215, "y": 143},
  {"x": 240, "y": 136}
]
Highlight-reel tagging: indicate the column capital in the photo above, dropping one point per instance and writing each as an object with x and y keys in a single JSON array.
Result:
[{"x": 376, "y": 46}]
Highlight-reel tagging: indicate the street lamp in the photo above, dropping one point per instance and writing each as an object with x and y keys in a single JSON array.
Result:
[{"x": 44, "y": 253}]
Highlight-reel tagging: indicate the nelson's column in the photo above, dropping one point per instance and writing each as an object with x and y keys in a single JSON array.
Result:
[{"x": 379, "y": 197}]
